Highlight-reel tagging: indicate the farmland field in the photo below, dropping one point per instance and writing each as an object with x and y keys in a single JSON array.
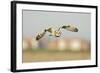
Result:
[{"x": 46, "y": 55}]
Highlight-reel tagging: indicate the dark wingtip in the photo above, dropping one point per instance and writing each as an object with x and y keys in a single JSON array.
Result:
[
  {"x": 64, "y": 27},
  {"x": 37, "y": 38},
  {"x": 76, "y": 30},
  {"x": 57, "y": 36}
]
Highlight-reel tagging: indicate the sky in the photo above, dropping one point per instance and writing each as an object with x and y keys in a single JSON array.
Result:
[{"x": 35, "y": 21}]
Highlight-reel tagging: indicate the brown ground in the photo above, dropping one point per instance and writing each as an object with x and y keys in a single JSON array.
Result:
[{"x": 37, "y": 56}]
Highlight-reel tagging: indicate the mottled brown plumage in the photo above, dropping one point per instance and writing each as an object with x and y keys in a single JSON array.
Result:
[{"x": 57, "y": 33}]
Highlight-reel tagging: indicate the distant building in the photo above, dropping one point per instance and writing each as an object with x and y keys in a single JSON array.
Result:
[
  {"x": 25, "y": 45},
  {"x": 72, "y": 44},
  {"x": 30, "y": 43},
  {"x": 42, "y": 43},
  {"x": 61, "y": 44}
]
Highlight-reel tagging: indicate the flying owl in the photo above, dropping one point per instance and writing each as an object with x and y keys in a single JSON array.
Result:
[{"x": 57, "y": 33}]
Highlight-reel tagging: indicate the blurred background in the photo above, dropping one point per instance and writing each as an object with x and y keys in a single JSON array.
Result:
[
  {"x": 56, "y": 49},
  {"x": 69, "y": 46}
]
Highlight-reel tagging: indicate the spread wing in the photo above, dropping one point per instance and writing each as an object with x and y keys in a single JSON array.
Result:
[
  {"x": 40, "y": 35},
  {"x": 57, "y": 33},
  {"x": 70, "y": 28}
]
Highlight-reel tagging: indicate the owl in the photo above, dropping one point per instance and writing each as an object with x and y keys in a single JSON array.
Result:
[{"x": 58, "y": 32}]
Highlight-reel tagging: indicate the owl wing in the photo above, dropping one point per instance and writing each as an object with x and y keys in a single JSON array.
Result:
[
  {"x": 70, "y": 28},
  {"x": 40, "y": 35}
]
